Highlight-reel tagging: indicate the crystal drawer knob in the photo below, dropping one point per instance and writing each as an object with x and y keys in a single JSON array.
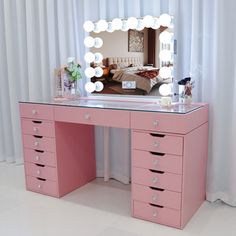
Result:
[
  {"x": 38, "y": 172},
  {"x": 154, "y": 214},
  {"x": 154, "y": 197},
  {"x": 36, "y": 144},
  {"x": 154, "y": 180},
  {"x": 155, "y": 162},
  {"x": 35, "y": 129},
  {"x": 37, "y": 158},
  {"x": 34, "y": 112},
  {"x": 39, "y": 186},
  {"x": 155, "y": 122},
  {"x": 87, "y": 117},
  {"x": 156, "y": 144}
]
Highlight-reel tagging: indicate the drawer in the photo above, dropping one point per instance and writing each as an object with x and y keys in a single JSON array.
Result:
[
  {"x": 165, "y": 216},
  {"x": 36, "y": 111},
  {"x": 43, "y": 186},
  {"x": 164, "y": 198},
  {"x": 157, "y": 161},
  {"x": 103, "y": 117},
  {"x": 157, "y": 143},
  {"x": 38, "y": 127},
  {"x": 41, "y": 171},
  {"x": 167, "y": 181},
  {"x": 39, "y": 143},
  {"x": 40, "y": 157}
]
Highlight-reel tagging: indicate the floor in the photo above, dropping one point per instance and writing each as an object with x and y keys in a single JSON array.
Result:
[{"x": 97, "y": 209}]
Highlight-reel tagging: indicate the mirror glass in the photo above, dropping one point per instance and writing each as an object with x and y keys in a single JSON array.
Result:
[{"x": 131, "y": 61}]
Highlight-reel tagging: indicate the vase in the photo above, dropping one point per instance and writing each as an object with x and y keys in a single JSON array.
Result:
[{"x": 187, "y": 99}]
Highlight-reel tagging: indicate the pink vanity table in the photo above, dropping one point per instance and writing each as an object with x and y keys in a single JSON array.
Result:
[{"x": 169, "y": 152}]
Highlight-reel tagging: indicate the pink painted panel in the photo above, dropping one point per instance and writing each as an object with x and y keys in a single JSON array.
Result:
[
  {"x": 166, "y": 180},
  {"x": 43, "y": 158},
  {"x": 165, "y": 198},
  {"x": 47, "y": 187},
  {"x": 102, "y": 117},
  {"x": 155, "y": 214},
  {"x": 166, "y": 122},
  {"x": 44, "y": 143},
  {"x": 168, "y": 144},
  {"x": 36, "y": 111},
  {"x": 38, "y": 127},
  {"x": 45, "y": 172},
  {"x": 168, "y": 163}
]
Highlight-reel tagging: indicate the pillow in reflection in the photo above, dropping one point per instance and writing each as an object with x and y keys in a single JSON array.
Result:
[{"x": 149, "y": 74}]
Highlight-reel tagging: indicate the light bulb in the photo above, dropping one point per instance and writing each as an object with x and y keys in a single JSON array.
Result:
[
  {"x": 165, "y": 20},
  {"x": 165, "y": 89},
  {"x": 98, "y": 71},
  {"x": 140, "y": 25},
  {"x": 98, "y": 86},
  {"x": 117, "y": 24},
  {"x": 98, "y": 57},
  {"x": 89, "y": 41},
  {"x": 165, "y": 55},
  {"x": 90, "y": 87},
  {"x": 98, "y": 42},
  {"x": 125, "y": 26},
  {"x": 89, "y": 57},
  {"x": 88, "y": 26},
  {"x": 89, "y": 72},
  {"x": 110, "y": 27},
  {"x": 96, "y": 28},
  {"x": 165, "y": 37},
  {"x": 132, "y": 22},
  {"x": 165, "y": 72},
  {"x": 102, "y": 25},
  {"x": 156, "y": 24},
  {"x": 148, "y": 21}
]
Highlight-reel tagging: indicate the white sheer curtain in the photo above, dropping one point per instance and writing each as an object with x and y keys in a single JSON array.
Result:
[{"x": 37, "y": 36}]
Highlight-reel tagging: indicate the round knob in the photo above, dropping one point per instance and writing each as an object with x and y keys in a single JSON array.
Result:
[
  {"x": 154, "y": 214},
  {"x": 34, "y": 112},
  {"x": 39, "y": 186},
  {"x": 154, "y": 179},
  {"x": 156, "y": 144},
  {"x": 86, "y": 116},
  {"x": 155, "y": 162},
  {"x": 37, "y": 158},
  {"x": 155, "y": 122},
  {"x": 36, "y": 144},
  {"x": 154, "y": 197},
  {"x": 35, "y": 129},
  {"x": 38, "y": 172}
]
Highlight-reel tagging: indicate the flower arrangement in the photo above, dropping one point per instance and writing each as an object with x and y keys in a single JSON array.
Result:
[
  {"x": 73, "y": 69},
  {"x": 188, "y": 85}
]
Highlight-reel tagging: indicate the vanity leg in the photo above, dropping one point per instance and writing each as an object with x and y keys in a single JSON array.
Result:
[{"x": 106, "y": 154}]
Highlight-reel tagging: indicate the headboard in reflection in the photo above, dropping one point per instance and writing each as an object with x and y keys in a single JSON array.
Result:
[{"x": 130, "y": 57}]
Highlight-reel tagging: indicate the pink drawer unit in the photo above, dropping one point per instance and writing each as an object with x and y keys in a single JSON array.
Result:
[
  {"x": 39, "y": 143},
  {"x": 36, "y": 111},
  {"x": 40, "y": 157},
  {"x": 102, "y": 117},
  {"x": 161, "y": 215},
  {"x": 167, "y": 181},
  {"x": 38, "y": 127},
  {"x": 157, "y": 142},
  {"x": 157, "y": 161},
  {"x": 164, "y": 198},
  {"x": 40, "y": 171},
  {"x": 43, "y": 186}
]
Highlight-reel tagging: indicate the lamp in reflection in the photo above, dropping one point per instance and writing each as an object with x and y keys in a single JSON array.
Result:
[{"x": 98, "y": 42}]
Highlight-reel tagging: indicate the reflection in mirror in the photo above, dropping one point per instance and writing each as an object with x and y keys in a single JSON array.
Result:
[{"x": 131, "y": 59}]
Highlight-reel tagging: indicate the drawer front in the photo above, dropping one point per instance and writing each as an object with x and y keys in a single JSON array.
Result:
[
  {"x": 155, "y": 214},
  {"x": 167, "y": 181},
  {"x": 45, "y": 172},
  {"x": 47, "y": 187},
  {"x": 40, "y": 157},
  {"x": 38, "y": 127},
  {"x": 44, "y": 143},
  {"x": 103, "y": 117},
  {"x": 151, "y": 142},
  {"x": 36, "y": 111},
  {"x": 157, "y": 161},
  {"x": 163, "y": 198}
]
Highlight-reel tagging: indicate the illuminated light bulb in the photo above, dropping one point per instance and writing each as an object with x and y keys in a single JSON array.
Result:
[
  {"x": 132, "y": 22},
  {"x": 148, "y": 21},
  {"x": 165, "y": 20},
  {"x": 102, "y": 25},
  {"x": 89, "y": 72},
  {"x": 89, "y": 41},
  {"x": 98, "y": 71},
  {"x": 89, "y": 57},
  {"x": 165, "y": 55},
  {"x": 156, "y": 24},
  {"x": 117, "y": 24},
  {"x": 165, "y": 37},
  {"x": 98, "y": 42},
  {"x": 165, "y": 89},
  {"x": 98, "y": 57},
  {"x": 90, "y": 87},
  {"x": 96, "y": 28},
  {"x": 140, "y": 25},
  {"x": 125, "y": 26},
  {"x": 165, "y": 72},
  {"x": 98, "y": 86},
  {"x": 110, "y": 28},
  {"x": 88, "y": 26}
]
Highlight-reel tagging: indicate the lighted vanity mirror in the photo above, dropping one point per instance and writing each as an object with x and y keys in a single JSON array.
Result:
[{"x": 129, "y": 57}]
